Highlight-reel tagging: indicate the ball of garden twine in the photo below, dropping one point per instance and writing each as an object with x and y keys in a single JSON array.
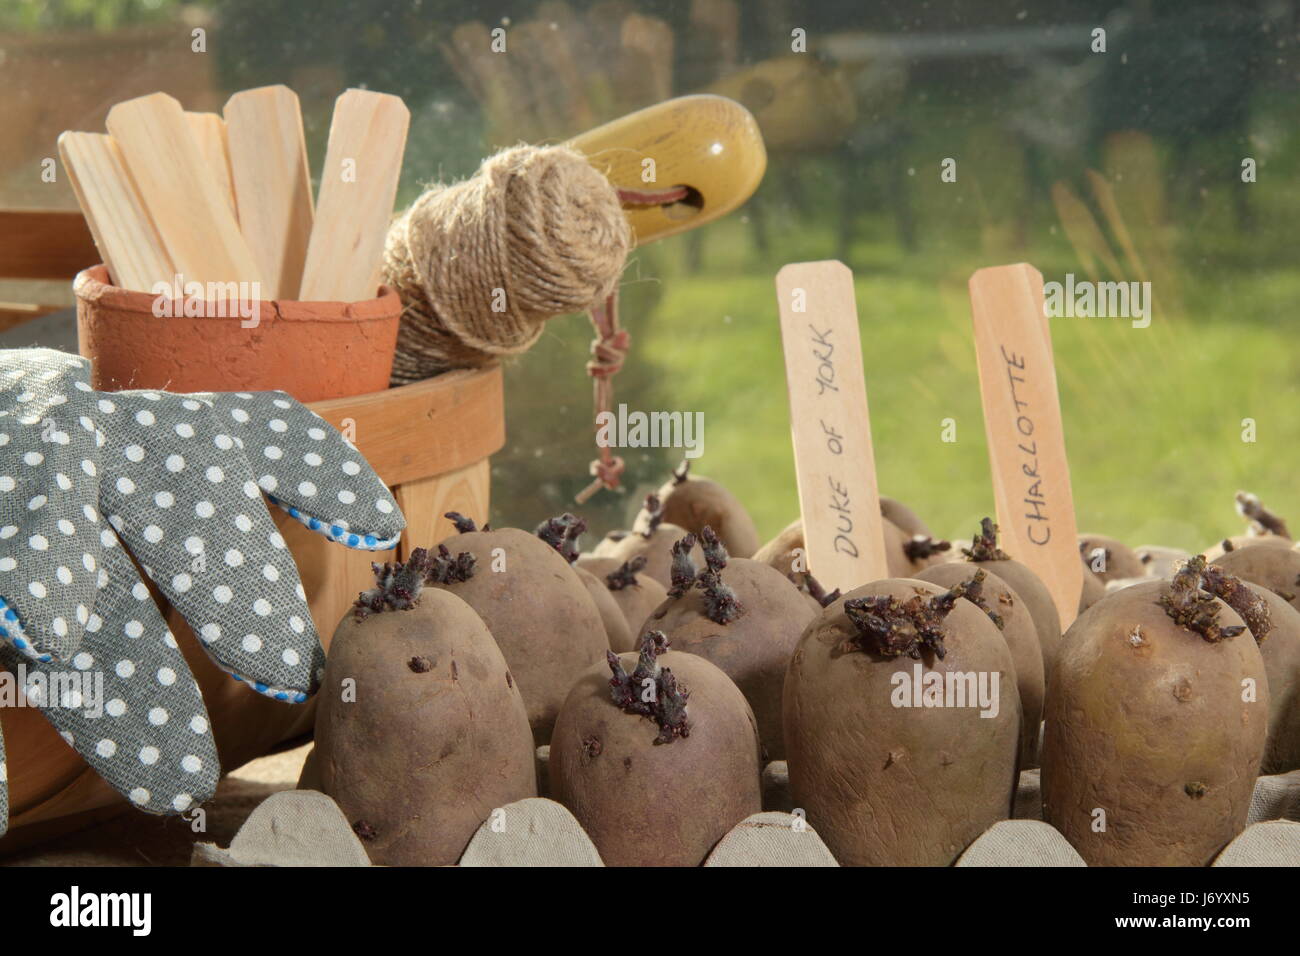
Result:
[{"x": 482, "y": 264}]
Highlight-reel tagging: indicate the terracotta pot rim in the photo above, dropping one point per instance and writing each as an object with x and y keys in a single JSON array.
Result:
[{"x": 92, "y": 284}]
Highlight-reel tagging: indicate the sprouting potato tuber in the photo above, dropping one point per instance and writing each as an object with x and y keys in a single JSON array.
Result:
[
  {"x": 1010, "y": 615},
  {"x": 562, "y": 534},
  {"x": 537, "y": 609},
  {"x": 1156, "y": 718},
  {"x": 906, "y": 554},
  {"x": 1159, "y": 561},
  {"x": 1239, "y": 542},
  {"x": 634, "y": 593},
  {"x": 1275, "y": 625},
  {"x": 1280, "y": 649},
  {"x": 1109, "y": 559},
  {"x": 891, "y": 773},
  {"x": 692, "y": 502},
  {"x": 652, "y": 538},
  {"x": 741, "y": 615},
  {"x": 1275, "y": 568},
  {"x": 421, "y": 731},
  {"x": 985, "y": 553},
  {"x": 658, "y": 761}
]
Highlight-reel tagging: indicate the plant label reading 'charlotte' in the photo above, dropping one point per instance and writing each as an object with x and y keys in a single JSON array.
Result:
[
  {"x": 829, "y": 423},
  {"x": 1022, "y": 419}
]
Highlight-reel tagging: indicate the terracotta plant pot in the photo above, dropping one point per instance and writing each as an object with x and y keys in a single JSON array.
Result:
[{"x": 312, "y": 350}]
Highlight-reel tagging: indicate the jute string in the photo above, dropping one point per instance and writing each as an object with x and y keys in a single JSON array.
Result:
[{"x": 482, "y": 264}]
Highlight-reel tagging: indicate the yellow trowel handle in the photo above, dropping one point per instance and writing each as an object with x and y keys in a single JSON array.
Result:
[{"x": 707, "y": 143}]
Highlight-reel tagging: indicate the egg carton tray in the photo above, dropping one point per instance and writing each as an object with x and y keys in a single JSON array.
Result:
[{"x": 307, "y": 828}]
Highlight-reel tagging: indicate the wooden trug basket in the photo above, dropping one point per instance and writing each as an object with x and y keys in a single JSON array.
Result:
[{"x": 430, "y": 442}]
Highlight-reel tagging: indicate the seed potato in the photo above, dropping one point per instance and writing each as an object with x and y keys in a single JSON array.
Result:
[
  {"x": 985, "y": 553},
  {"x": 746, "y": 618},
  {"x": 1150, "y": 752},
  {"x": 421, "y": 731},
  {"x": 888, "y": 785},
  {"x": 543, "y": 619},
  {"x": 693, "y": 502},
  {"x": 656, "y": 790},
  {"x": 636, "y": 593},
  {"x": 996, "y": 597}
]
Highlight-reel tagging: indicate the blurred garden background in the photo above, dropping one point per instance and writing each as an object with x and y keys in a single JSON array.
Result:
[{"x": 1124, "y": 164}]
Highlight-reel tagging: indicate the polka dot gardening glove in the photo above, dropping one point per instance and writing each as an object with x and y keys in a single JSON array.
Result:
[{"x": 179, "y": 480}]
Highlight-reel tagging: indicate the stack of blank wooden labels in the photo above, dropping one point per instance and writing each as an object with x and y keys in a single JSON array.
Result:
[
  {"x": 221, "y": 199},
  {"x": 198, "y": 230},
  {"x": 123, "y": 231}
]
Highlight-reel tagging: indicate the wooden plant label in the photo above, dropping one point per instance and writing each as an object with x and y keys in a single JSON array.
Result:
[
  {"x": 1022, "y": 419},
  {"x": 125, "y": 235},
  {"x": 209, "y": 131},
  {"x": 184, "y": 199},
  {"x": 272, "y": 183},
  {"x": 363, "y": 161},
  {"x": 829, "y": 423}
]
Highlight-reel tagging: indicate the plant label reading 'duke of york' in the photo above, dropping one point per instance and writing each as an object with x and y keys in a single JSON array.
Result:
[{"x": 830, "y": 425}]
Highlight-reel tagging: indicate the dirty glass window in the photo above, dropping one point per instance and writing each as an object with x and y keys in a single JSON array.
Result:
[{"x": 1150, "y": 143}]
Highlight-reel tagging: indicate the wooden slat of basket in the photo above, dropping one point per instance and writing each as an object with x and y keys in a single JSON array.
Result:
[
  {"x": 430, "y": 428},
  {"x": 424, "y": 501},
  {"x": 44, "y": 244},
  {"x": 430, "y": 442},
  {"x": 14, "y": 314}
]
